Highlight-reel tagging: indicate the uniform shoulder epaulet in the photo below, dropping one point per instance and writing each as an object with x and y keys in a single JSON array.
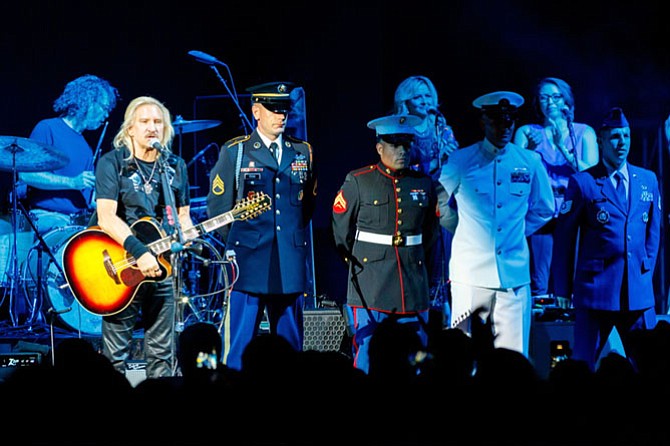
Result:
[
  {"x": 237, "y": 140},
  {"x": 295, "y": 140},
  {"x": 365, "y": 169}
]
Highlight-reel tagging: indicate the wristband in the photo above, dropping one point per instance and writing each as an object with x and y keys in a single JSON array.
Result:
[{"x": 135, "y": 247}]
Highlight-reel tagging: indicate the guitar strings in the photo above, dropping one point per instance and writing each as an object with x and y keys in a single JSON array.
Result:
[{"x": 130, "y": 261}]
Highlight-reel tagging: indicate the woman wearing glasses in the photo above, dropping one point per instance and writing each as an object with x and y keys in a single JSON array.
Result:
[{"x": 565, "y": 147}]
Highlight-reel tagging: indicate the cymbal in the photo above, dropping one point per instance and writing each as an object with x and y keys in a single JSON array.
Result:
[
  {"x": 182, "y": 126},
  {"x": 27, "y": 155}
]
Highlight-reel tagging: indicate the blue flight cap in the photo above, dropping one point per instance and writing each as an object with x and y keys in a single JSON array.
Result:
[
  {"x": 615, "y": 119},
  {"x": 275, "y": 96},
  {"x": 395, "y": 125}
]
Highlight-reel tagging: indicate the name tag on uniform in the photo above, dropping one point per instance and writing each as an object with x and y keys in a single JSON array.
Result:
[{"x": 520, "y": 175}]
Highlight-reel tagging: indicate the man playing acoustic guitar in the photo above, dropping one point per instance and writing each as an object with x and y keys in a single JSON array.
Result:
[
  {"x": 129, "y": 187},
  {"x": 116, "y": 269}
]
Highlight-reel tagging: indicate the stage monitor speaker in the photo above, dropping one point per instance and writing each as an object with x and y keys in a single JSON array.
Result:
[
  {"x": 324, "y": 330},
  {"x": 11, "y": 361},
  {"x": 543, "y": 334},
  {"x": 546, "y": 336},
  {"x": 136, "y": 371}
]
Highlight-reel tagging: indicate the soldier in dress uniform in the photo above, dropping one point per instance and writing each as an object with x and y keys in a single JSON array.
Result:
[
  {"x": 503, "y": 195},
  {"x": 385, "y": 226},
  {"x": 272, "y": 248},
  {"x": 607, "y": 271}
]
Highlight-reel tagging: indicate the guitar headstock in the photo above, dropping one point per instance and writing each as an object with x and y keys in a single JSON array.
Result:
[{"x": 252, "y": 206}]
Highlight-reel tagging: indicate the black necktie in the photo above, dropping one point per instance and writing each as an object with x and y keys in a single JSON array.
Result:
[
  {"x": 620, "y": 188},
  {"x": 274, "y": 148}
]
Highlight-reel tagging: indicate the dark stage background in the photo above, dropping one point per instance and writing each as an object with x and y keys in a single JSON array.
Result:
[{"x": 348, "y": 57}]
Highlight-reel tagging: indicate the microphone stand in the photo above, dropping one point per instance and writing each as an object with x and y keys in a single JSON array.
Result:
[
  {"x": 243, "y": 116},
  {"x": 42, "y": 247},
  {"x": 91, "y": 197},
  {"x": 201, "y": 153},
  {"x": 573, "y": 140},
  {"x": 13, "y": 296},
  {"x": 170, "y": 207},
  {"x": 172, "y": 220}
]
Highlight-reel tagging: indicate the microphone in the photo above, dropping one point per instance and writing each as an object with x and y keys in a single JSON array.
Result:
[
  {"x": 205, "y": 58},
  {"x": 571, "y": 131},
  {"x": 164, "y": 151},
  {"x": 195, "y": 248},
  {"x": 434, "y": 111},
  {"x": 566, "y": 112},
  {"x": 54, "y": 311}
]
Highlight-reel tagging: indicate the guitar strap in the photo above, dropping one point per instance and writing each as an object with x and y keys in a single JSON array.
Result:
[{"x": 123, "y": 165}]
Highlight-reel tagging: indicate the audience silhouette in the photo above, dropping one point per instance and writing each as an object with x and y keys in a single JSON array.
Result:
[{"x": 459, "y": 390}]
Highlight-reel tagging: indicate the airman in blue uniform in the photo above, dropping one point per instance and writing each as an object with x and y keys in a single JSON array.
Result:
[{"x": 607, "y": 245}]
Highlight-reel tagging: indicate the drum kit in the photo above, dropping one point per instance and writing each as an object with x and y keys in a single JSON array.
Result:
[
  {"x": 19, "y": 154},
  {"x": 35, "y": 282},
  {"x": 181, "y": 126}
]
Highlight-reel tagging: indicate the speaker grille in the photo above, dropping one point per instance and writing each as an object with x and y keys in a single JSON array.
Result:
[{"x": 324, "y": 330}]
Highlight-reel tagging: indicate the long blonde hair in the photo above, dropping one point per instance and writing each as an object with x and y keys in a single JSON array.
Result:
[
  {"x": 407, "y": 89},
  {"x": 123, "y": 138}
]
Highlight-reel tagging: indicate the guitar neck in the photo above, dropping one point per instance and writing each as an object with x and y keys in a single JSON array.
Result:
[{"x": 165, "y": 244}]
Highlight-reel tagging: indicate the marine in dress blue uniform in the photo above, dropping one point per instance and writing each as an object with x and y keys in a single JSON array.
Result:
[
  {"x": 385, "y": 225},
  {"x": 271, "y": 249},
  {"x": 608, "y": 277}
]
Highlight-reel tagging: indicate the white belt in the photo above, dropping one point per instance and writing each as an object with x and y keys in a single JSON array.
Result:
[{"x": 389, "y": 240}]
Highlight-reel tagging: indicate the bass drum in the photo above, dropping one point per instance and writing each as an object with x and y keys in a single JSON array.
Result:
[{"x": 56, "y": 294}]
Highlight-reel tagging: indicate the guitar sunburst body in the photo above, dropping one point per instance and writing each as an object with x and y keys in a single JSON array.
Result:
[
  {"x": 107, "y": 277},
  {"x": 104, "y": 277}
]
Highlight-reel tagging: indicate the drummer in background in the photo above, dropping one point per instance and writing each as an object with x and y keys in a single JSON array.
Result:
[{"x": 57, "y": 198}]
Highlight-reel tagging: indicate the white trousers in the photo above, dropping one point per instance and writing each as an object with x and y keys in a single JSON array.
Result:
[{"x": 509, "y": 310}]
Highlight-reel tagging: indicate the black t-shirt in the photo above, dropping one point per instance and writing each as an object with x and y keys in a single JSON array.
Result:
[{"x": 137, "y": 187}]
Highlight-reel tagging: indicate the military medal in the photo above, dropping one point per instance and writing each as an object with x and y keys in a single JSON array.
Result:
[
  {"x": 603, "y": 216},
  {"x": 300, "y": 167}
]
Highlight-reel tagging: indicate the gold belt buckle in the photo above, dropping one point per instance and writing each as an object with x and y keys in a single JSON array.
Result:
[{"x": 398, "y": 240}]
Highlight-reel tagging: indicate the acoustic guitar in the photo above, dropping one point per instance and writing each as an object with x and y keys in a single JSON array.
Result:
[{"x": 104, "y": 277}]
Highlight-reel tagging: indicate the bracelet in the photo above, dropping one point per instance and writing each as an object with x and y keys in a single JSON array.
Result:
[{"x": 135, "y": 247}]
